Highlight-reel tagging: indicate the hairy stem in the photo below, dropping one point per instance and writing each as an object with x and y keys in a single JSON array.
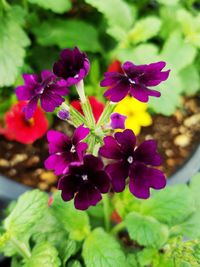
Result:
[
  {"x": 87, "y": 110},
  {"x": 106, "y": 210},
  {"x": 118, "y": 228},
  {"x": 22, "y": 249},
  {"x": 105, "y": 116}
]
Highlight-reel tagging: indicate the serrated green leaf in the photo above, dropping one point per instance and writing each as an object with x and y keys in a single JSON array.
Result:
[
  {"x": 171, "y": 205},
  {"x": 68, "y": 33},
  {"x": 13, "y": 41},
  {"x": 146, "y": 256},
  {"x": 44, "y": 255},
  {"x": 58, "y": 6},
  {"x": 177, "y": 53},
  {"x": 190, "y": 80},
  {"x": 29, "y": 209},
  {"x": 146, "y": 230},
  {"x": 74, "y": 221},
  {"x": 101, "y": 250},
  {"x": 132, "y": 260},
  {"x": 144, "y": 29},
  {"x": 74, "y": 263}
]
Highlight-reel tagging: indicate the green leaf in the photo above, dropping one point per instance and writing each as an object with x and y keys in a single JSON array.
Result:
[
  {"x": 144, "y": 29},
  {"x": 74, "y": 263},
  {"x": 142, "y": 54},
  {"x": 117, "y": 12},
  {"x": 146, "y": 256},
  {"x": 13, "y": 41},
  {"x": 68, "y": 33},
  {"x": 177, "y": 53},
  {"x": 168, "y": 2},
  {"x": 190, "y": 80},
  {"x": 58, "y": 6},
  {"x": 171, "y": 205},
  {"x": 132, "y": 260},
  {"x": 170, "y": 96},
  {"x": 74, "y": 221},
  {"x": 43, "y": 255},
  {"x": 101, "y": 250},
  {"x": 29, "y": 209},
  {"x": 146, "y": 230},
  {"x": 194, "y": 186}
]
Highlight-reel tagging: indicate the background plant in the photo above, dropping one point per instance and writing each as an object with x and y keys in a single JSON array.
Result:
[
  {"x": 156, "y": 228},
  {"x": 34, "y": 30}
]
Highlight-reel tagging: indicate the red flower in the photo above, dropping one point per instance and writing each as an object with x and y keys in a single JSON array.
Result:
[
  {"x": 115, "y": 66},
  {"x": 97, "y": 106},
  {"x": 22, "y": 130}
]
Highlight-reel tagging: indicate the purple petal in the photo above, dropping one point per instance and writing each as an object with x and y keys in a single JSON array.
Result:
[
  {"x": 79, "y": 134},
  {"x": 126, "y": 139},
  {"x": 132, "y": 70},
  {"x": 63, "y": 114},
  {"x": 30, "y": 79},
  {"x": 139, "y": 92},
  {"x": 142, "y": 178},
  {"x": 81, "y": 149},
  {"x": 31, "y": 107},
  {"x": 110, "y": 149},
  {"x": 68, "y": 187},
  {"x": 58, "y": 141},
  {"x": 59, "y": 90},
  {"x": 118, "y": 172},
  {"x": 153, "y": 79},
  {"x": 86, "y": 197},
  {"x": 101, "y": 181},
  {"x": 156, "y": 66},
  {"x": 45, "y": 74},
  {"x": 147, "y": 153},
  {"x": 50, "y": 101},
  {"x": 118, "y": 92},
  {"x": 58, "y": 163},
  {"x": 111, "y": 78},
  {"x": 118, "y": 121},
  {"x": 24, "y": 92},
  {"x": 92, "y": 163}
]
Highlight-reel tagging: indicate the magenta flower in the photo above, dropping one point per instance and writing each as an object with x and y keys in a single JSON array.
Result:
[
  {"x": 63, "y": 114},
  {"x": 135, "y": 80},
  {"x": 63, "y": 150},
  {"x": 117, "y": 121},
  {"x": 47, "y": 88},
  {"x": 134, "y": 163},
  {"x": 85, "y": 182},
  {"x": 72, "y": 66}
]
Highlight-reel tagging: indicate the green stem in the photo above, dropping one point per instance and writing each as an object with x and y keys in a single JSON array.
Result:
[
  {"x": 21, "y": 248},
  {"x": 106, "y": 210},
  {"x": 105, "y": 116},
  {"x": 76, "y": 117},
  {"x": 118, "y": 228},
  {"x": 87, "y": 110},
  {"x": 5, "y": 5},
  {"x": 25, "y": 4},
  {"x": 91, "y": 142}
]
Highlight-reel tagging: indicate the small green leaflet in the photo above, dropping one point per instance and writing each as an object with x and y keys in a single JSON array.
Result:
[
  {"x": 58, "y": 6},
  {"x": 68, "y": 33},
  {"x": 74, "y": 221},
  {"x": 146, "y": 230},
  {"x": 13, "y": 41},
  {"x": 101, "y": 250}
]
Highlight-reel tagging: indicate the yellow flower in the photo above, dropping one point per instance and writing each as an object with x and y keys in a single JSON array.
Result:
[{"x": 136, "y": 112}]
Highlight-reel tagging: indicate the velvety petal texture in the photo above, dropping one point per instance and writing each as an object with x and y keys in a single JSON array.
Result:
[
  {"x": 134, "y": 80},
  {"x": 64, "y": 150},
  {"x": 72, "y": 66},
  {"x": 117, "y": 121},
  {"x": 47, "y": 88},
  {"x": 133, "y": 162},
  {"x": 85, "y": 182}
]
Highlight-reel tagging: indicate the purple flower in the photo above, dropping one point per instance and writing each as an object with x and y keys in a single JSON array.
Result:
[
  {"x": 63, "y": 114},
  {"x": 47, "y": 88},
  {"x": 85, "y": 182},
  {"x": 117, "y": 121},
  {"x": 135, "y": 80},
  {"x": 72, "y": 66},
  {"x": 134, "y": 163},
  {"x": 63, "y": 150}
]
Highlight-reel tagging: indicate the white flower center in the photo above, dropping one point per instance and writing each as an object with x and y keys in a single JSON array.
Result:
[
  {"x": 131, "y": 81},
  {"x": 130, "y": 159},
  {"x": 76, "y": 76},
  {"x": 73, "y": 149},
  {"x": 84, "y": 177}
]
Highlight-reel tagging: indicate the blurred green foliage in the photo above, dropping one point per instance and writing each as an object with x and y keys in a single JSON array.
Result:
[{"x": 32, "y": 32}]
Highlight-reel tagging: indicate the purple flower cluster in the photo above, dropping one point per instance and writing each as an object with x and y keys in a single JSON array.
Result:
[
  {"x": 85, "y": 177},
  {"x": 135, "y": 80},
  {"x": 50, "y": 88}
]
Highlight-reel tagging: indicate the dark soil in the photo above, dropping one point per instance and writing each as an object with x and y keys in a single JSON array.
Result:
[{"x": 177, "y": 137}]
